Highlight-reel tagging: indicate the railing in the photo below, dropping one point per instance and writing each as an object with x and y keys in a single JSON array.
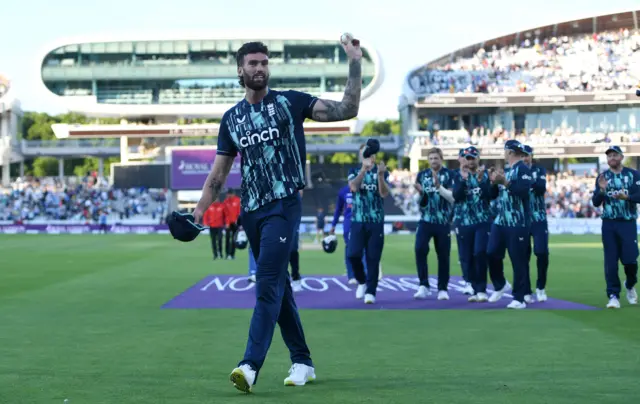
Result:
[{"x": 71, "y": 143}]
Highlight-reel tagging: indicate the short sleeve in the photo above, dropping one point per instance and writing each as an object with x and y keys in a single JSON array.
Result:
[
  {"x": 226, "y": 146},
  {"x": 353, "y": 173},
  {"x": 303, "y": 102},
  {"x": 451, "y": 175},
  {"x": 636, "y": 178}
]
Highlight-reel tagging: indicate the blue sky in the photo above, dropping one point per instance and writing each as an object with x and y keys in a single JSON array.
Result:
[{"x": 406, "y": 33}]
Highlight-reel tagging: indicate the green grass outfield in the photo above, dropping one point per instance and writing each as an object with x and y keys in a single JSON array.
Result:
[{"x": 80, "y": 318}]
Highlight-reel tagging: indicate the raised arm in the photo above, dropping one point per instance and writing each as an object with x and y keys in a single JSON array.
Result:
[{"x": 332, "y": 111}]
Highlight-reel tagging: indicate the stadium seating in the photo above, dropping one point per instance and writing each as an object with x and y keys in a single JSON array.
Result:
[{"x": 604, "y": 61}]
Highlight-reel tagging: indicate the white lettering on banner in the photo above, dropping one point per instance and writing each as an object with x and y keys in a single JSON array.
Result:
[
  {"x": 323, "y": 286},
  {"x": 411, "y": 283},
  {"x": 396, "y": 283},
  {"x": 246, "y": 285},
  {"x": 338, "y": 282},
  {"x": 384, "y": 284},
  {"x": 219, "y": 286}
]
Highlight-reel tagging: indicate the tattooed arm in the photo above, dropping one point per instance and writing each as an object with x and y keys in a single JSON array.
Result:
[
  {"x": 332, "y": 111},
  {"x": 213, "y": 185}
]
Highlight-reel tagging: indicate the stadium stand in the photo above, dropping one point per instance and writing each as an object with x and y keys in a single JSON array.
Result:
[{"x": 608, "y": 60}]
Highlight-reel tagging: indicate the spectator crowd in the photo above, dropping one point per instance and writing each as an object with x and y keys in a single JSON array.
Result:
[
  {"x": 599, "y": 62},
  {"x": 80, "y": 200}
]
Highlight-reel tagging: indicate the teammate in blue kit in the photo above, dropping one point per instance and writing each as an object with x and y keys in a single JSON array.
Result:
[
  {"x": 343, "y": 207},
  {"x": 510, "y": 230},
  {"x": 468, "y": 289},
  {"x": 434, "y": 185},
  {"x": 471, "y": 220},
  {"x": 369, "y": 185},
  {"x": 266, "y": 128},
  {"x": 539, "y": 225},
  {"x": 618, "y": 191}
]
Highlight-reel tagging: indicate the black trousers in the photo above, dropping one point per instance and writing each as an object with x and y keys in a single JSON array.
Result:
[
  {"x": 230, "y": 240},
  {"x": 216, "y": 241}
]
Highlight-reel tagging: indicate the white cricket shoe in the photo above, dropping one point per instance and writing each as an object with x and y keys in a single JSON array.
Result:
[
  {"x": 369, "y": 299},
  {"x": 473, "y": 299},
  {"x": 443, "y": 295},
  {"x": 422, "y": 293},
  {"x": 299, "y": 375},
  {"x": 517, "y": 305},
  {"x": 614, "y": 303},
  {"x": 296, "y": 286},
  {"x": 468, "y": 289},
  {"x": 360, "y": 291},
  {"x": 352, "y": 281},
  {"x": 541, "y": 295},
  {"x": 243, "y": 378},
  {"x": 632, "y": 295},
  {"x": 497, "y": 295},
  {"x": 252, "y": 278},
  {"x": 482, "y": 297},
  {"x": 528, "y": 299}
]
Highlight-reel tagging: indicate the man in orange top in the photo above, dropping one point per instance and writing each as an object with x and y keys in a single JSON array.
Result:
[
  {"x": 232, "y": 205},
  {"x": 216, "y": 218}
]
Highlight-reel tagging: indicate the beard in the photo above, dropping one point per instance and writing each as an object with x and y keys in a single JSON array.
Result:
[{"x": 256, "y": 84}]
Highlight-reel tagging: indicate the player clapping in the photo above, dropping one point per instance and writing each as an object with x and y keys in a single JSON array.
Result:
[
  {"x": 471, "y": 221},
  {"x": 618, "y": 191},
  {"x": 434, "y": 185}
]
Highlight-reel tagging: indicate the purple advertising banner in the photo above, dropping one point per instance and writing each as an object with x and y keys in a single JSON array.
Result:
[
  {"x": 190, "y": 168},
  {"x": 82, "y": 229}
]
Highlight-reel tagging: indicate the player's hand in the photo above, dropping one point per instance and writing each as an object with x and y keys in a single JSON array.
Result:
[
  {"x": 198, "y": 213},
  {"x": 464, "y": 173},
  {"x": 621, "y": 196},
  {"x": 351, "y": 47},
  {"x": 332, "y": 231},
  {"x": 436, "y": 180},
  {"x": 367, "y": 164},
  {"x": 480, "y": 173},
  {"x": 602, "y": 182},
  {"x": 382, "y": 167}
]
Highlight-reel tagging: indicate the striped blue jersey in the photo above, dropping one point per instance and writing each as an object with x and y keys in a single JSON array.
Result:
[
  {"x": 368, "y": 204},
  {"x": 627, "y": 182},
  {"x": 472, "y": 200},
  {"x": 513, "y": 208},
  {"x": 536, "y": 194},
  {"x": 437, "y": 210},
  {"x": 270, "y": 138}
]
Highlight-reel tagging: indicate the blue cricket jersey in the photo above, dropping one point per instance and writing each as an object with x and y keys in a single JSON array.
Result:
[
  {"x": 368, "y": 205},
  {"x": 628, "y": 183},
  {"x": 437, "y": 210},
  {"x": 472, "y": 198},
  {"x": 270, "y": 138},
  {"x": 513, "y": 208},
  {"x": 343, "y": 207},
  {"x": 536, "y": 194}
]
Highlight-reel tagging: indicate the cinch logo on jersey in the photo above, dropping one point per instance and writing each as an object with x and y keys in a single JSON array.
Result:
[
  {"x": 474, "y": 191},
  {"x": 369, "y": 187},
  {"x": 251, "y": 139},
  {"x": 616, "y": 192}
]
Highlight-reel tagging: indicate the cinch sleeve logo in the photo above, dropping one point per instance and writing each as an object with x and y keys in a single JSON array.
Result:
[
  {"x": 615, "y": 192},
  {"x": 251, "y": 139}
]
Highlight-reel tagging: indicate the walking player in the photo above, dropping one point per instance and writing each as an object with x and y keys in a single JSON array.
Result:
[
  {"x": 510, "y": 230},
  {"x": 471, "y": 210},
  {"x": 468, "y": 289},
  {"x": 266, "y": 128},
  {"x": 539, "y": 226},
  {"x": 434, "y": 185},
  {"x": 343, "y": 207},
  {"x": 618, "y": 191},
  {"x": 369, "y": 185}
]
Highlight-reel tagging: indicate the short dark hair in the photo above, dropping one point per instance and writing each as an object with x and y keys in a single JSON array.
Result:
[{"x": 246, "y": 49}]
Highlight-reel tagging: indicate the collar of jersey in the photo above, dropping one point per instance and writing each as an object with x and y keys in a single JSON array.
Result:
[{"x": 246, "y": 103}]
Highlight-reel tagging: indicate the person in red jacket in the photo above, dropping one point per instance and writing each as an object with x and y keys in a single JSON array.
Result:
[
  {"x": 232, "y": 205},
  {"x": 215, "y": 217}
]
